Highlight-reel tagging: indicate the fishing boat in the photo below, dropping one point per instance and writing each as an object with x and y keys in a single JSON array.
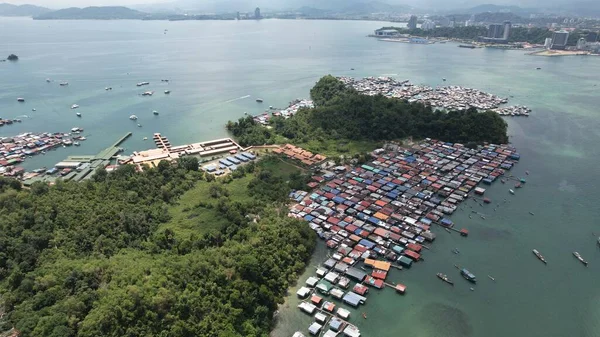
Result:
[
  {"x": 259, "y": 100},
  {"x": 139, "y": 125},
  {"x": 468, "y": 275},
  {"x": 148, "y": 93},
  {"x": 21, "y": 99},
  {"x": 108, "y": 88},
  {"x": 539, "y": 256},
  {"x": 76, "y": 143},
  {"x": 145, "y": 138},
  {"x": 486, "y": 200},
  {"x": 64, "y": 84},
  {"x": 511, "y": 191},
  {"x": 364, "y": 315},
  {"x": 48, "y": 80},
  {"x": 133, "y": 117},
  {"x": 578, "y": 256},
  {"x": 444, "y": 278},
  {"x": 34, "y": 109},
  {"x": 531, "y": 213}
]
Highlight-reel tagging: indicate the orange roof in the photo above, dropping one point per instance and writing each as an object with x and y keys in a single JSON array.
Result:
[
  {"x": 380, "y": 215},
  {"x": 380, "y": 203},
  {"x": 382, "y": 265}
]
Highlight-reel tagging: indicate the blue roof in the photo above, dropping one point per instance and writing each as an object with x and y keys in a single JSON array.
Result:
[
  {"x": 225, "y": 162},
  {"x": 309, "y": 217},
  {"x": 248, "y": 155},
  {"x": 338, "y": 200},
  {"x": 367, "y": 243},
  {"x": 373, "y": 220}
]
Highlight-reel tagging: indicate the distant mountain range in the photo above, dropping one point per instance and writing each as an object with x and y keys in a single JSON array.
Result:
[
  {"x": 92, "y": 13},
  {"x": 22, "y": 10}
]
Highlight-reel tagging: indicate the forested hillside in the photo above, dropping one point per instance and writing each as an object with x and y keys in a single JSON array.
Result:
[
  {"x": 343, "y": 114},
  {"x": 107, "y": 258}
]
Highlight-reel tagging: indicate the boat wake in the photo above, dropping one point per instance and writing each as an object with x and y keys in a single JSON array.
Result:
[
  {"x": 22, "y": 116},
  {"x": 237, "y": 99}
]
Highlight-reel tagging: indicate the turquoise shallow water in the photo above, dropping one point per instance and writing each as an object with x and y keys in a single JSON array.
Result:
[{"x": 212, "y": 65}]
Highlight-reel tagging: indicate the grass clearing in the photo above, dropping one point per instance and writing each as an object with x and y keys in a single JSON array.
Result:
[
  {"x": 188, "y": 216},
  {"x": 334, "y": 148}
]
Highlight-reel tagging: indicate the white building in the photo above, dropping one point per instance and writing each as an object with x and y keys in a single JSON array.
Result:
[
  {"x": 428, "y": 25},
  {"x": 548, "y": 42}
]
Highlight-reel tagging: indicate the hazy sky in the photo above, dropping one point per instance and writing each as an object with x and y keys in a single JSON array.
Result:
[{"x": 280, "y": 3}]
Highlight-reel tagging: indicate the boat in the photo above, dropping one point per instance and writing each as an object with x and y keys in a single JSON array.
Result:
[
  {"x": 155, "y": 112},
  {"x": 470, "y": 46},
  {"x": 364, "y": 315},
  {"x": 33, "y": 109},
  {"x": 531, "y": 213},
  {"x": 108, "y": 88},
  {"x": 48, "y": 80},
  {"x": 74, "y": 106},
  {"x": 142, "y": 83},
  {"x": 145, "y": 138},
  {"x": 444, "y": 79},
  {"x": 148, "y": 93},
  {"x": 491, "y": 278},
  {"x": 578, "y": 256},
  {"x": 133, "y": 117},
  {"x": 78, "y": 114},
  {"x": 76, "y": 143},
  {"x": 20, "y": 99},
  {"x": 444, "y": 278},
  {"x": 167, "y": 92},
  {"x": 486, "y": 200},
  {"x": 455, "y": 251},
  {"x": 64, "y": 84},
  {"x": 598, "y": 241},
  {"x": 259, "y": 100},
  {"x": 82, "y": 138},
  {"x": 527, "y": 172},
  {"x": 539, "y": 256},
  {"x": 468, "y": 275},
  {"x": 511, "y": 191},
  {"x": 538, "y": 68},
  {"x": 503, "y": 181},
  {"x": 139, "y": 125}
]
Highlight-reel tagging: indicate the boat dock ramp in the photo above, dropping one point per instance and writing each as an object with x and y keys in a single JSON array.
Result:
[{"x": 81, "y": 167}]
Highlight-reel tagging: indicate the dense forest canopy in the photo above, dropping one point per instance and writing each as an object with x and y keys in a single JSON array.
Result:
[
  {"x": 341, "y": 113},
  {"x": 98, "y": 259}
]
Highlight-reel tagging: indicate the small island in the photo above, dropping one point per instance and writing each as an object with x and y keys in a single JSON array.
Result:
[{"x": 12, "y": 57}]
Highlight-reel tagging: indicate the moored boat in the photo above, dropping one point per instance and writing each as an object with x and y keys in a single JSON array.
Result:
[
  {"x": 64, "y": 84},
  {"x": 444, "y": 278},
  {"x": 511, "y": 191},
  {"x": 20, "y": 99},
  {"x": 167, "y": 92},
  {"x": 578, "y": 256},
  {"x": 74, "y": 106},
  {"x": 259, "y": 100},
  {"x": 539, "y": 256},
  {"x": 468, "y": 275}
]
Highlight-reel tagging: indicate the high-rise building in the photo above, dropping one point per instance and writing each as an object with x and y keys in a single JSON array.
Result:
[
  {"x": 257, "y": 13},
  {"x": 412, "y": 22},
  {"x": 559, "y": 39},
  {"x": 428, "y": 25},
  {"x": 506, "y": 32},
  {"x": 238, "y": 16},
  {"x": 548, "y": 43},
  {"x": 495, "y": 31},
  {"x": 581, "y": 44},
  {"x": 591, "y": 37}
]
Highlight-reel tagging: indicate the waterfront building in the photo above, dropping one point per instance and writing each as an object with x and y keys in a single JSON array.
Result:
[
  {"x": 559, "y": 40},
  {"x": 495, "y": 31},
  {"x": 257, "y": 13},
  {"x": 428, "y": 25},
  {"x": 386, "y": 32},
  {"x": 238, "y": 16},
  {"x": 412, "y": 22},
  {"x": 506, "y": 32},
  {"x": 548, "y": 43},
  {"x": 591, "y": 37},
  {"x": 581, "y": 44}
]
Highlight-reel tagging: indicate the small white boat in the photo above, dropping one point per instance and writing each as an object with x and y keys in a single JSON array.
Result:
[
  {"x": 82, "y": 138},
  {"x": 148, "y": 93},
  {"x": 133, "y": 117},
  {"x": 48, "y": 80},
  {"x": 78, "y": 114},
  {"x": 64, "y": 84},
  {"x": 33, "y": 109},
  {"x": 155, "y": 112},
  {"x": 511, "y": 191},
  {"x": 76, "y": 143},
  {"x": 145, "y": 138},
  {"x": 74, "y": 106},
  {"x": 139, "y": 125},
  {"x": 167, "y": 92}
]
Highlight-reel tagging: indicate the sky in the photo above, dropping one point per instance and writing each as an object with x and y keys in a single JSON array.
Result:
[{"x": 280, "y": 3}]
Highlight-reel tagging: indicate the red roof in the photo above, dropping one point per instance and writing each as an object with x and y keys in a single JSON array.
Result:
[
  {"x": 412, "y": 255},
  {"x": 414, "y": 247},
  {"x": 379, "y": 274},
  {"x": 316, "y": 299},
  {"x": 333, "y": 221},
  {"x": 360, "y": 289},
  {"x": 401, "y": 288}
]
